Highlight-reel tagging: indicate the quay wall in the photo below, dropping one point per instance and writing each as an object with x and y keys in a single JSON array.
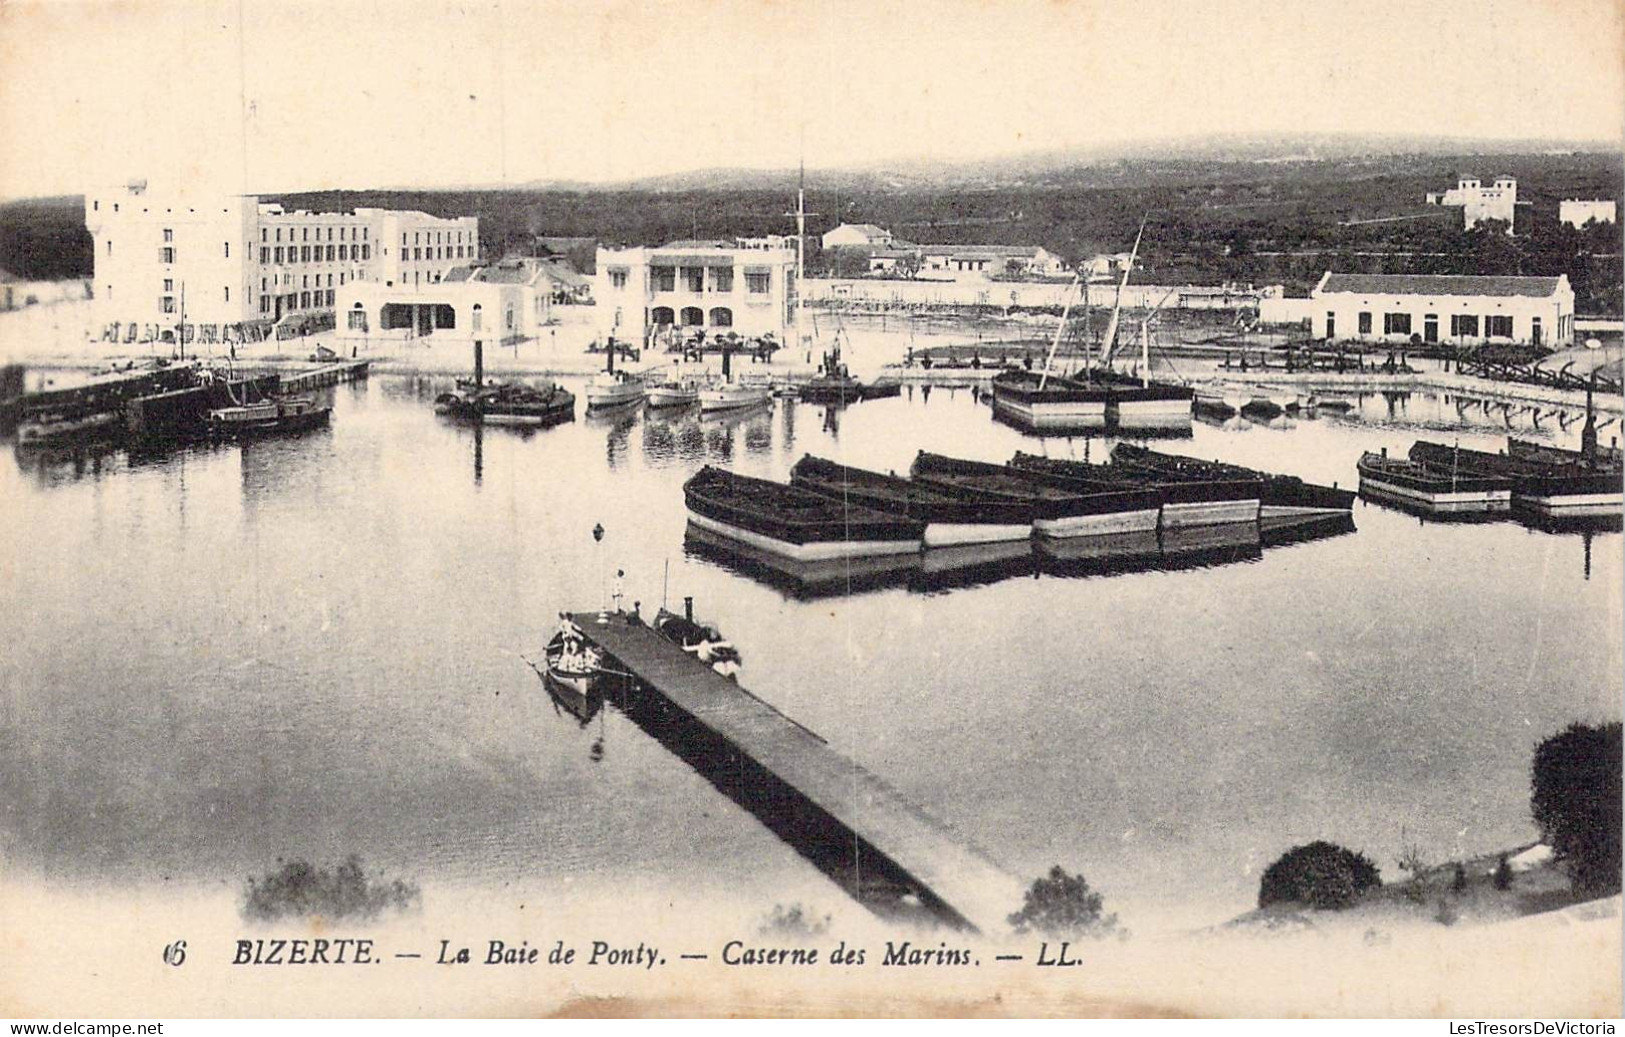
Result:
[{"x": 882, "y": 293}]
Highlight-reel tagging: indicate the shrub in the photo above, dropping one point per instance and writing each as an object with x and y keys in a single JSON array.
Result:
[
  {"x": 1458, "y": 882},
  {"x": 1063, "y": 905},
  {"x": 1320, "y": 875},
  {"x": 1575, "y": 779}
]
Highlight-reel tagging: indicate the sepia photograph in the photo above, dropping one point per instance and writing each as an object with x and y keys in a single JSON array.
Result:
[{"x": 782, "y": 509}]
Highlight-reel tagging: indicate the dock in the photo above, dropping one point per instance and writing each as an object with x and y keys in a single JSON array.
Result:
[
  {"x": 327, "y": 374},
  {"x": 887, "y": 853}
]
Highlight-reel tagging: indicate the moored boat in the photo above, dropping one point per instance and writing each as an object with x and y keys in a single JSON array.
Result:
[
  {"x": 1038, "y": 402},
  {"x": 1437, "y": 490},
  {"x": 614, "y": 389},
  {"x": 1182, "y": 501},
  {"x": 509, "y": 405},
  {"x": 705, "y": 643},
  {"x": 679, "y": 392},
  {"x": 1059, "y": 508},
  {"x": 1280, "y": 495},
  {"x": 268, "y": 417},
  {"x": 574, "y": 666},
  {"x": 1560, "y": 490},
  {"x": 730, "y": 396},
  {"x": 951, "y": 515},
  {"x": 794, "y": 523}
]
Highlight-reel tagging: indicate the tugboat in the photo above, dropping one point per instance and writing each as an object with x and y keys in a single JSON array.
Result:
[
  {"x": 268, "y": 417},
  {"x": 614, "y": 388},
  {"x": 834, "y": 383}
]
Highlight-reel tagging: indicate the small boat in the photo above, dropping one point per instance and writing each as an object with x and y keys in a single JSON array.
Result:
[
  {"x": 1182, "y": 500},
  {"x": 730, "y": 396},
  {"x": 677, "y": 392},
  {"x": 573, "y": 665},
  {"x": 614, "y": 389},
  {"x": 794, "y": 523},
  {"x": 705, "y": 643},
  {"x": 509, "y": 405},
  {"x": 881, "y": 388},
  {"x": 838, "y": 387},
  {"x": 1280, "y": 495},
  {"x": 1433, "y": 489},
  {"x": 1059, "y": 507},
  {"x": 951, "y": 515},
  {"x": 1557, "y": 488},
  {"x": 268, "y": 417}
]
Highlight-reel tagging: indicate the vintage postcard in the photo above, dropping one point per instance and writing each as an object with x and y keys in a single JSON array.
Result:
[{"x": 800, "y": 509}]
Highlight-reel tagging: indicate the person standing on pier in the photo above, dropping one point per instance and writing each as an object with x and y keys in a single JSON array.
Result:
[{"x": 619, "y": 588}]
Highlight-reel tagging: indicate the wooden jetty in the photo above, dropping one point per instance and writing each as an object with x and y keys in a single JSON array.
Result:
[
  {"x": 840, "y": 810},
  {"x": 325, "y": 375}
]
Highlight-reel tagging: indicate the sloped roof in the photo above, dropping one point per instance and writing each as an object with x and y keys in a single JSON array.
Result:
[
  {"x": 1438, "y": 284},
  {"x": 696, "y": 243},
  {"x": 562, "y": 272},
  {"x": 507, "y": 273},
  {"x": 868, "y": 229},
  {"x": 980, "y": 250},
  {"x": 459, "y": 273}
]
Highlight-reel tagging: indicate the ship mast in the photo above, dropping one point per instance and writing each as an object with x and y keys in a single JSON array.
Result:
[{"x": 1109, "y": 342}]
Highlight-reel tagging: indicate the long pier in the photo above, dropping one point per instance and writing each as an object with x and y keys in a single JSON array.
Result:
[
  {"x": 887, "y": 853},
  {"x": 325, "y": 375}
]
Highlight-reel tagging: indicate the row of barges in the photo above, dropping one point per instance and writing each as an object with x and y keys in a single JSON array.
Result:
[
  {"x": 1448, "y": 480},
  {"x": 831, "y": 511}
]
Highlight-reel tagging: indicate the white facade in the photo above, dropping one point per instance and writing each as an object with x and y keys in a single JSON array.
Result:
[
  {"x": 1577, "y": 212},
  {"x": 1499, "y": 201},
  {"x": 989, "y": 261},
  {"x": 707, "y": 287},
  {"x": 1397, "y": 309},
  {"x": 857, "y": 234},
  {"x": 236, "y": 266}
]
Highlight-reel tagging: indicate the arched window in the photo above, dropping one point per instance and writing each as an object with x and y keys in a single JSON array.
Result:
[{"x": 722, "y": 317}]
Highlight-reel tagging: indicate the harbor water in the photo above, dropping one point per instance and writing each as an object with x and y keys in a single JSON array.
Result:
[{"x": 222, "y": 656}]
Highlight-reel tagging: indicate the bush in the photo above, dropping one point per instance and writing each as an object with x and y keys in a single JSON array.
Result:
[
  {"x": 1063, "y": 905},
  {"x": 1575, "y": 779},
  {"x": 1320, "y": 875}
]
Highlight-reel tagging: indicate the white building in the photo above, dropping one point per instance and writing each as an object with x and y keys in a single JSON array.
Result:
[
  {"x": 237, "y": 266},
  {"x": 1457, "y": 309},
  {"x": 848, "y": 235},
  {"x": 988, "y": 261},
  {"x": 1478, "y": 203},
  {"x": 1578, "y": 212},
  {"x": 711, "y": 286}
]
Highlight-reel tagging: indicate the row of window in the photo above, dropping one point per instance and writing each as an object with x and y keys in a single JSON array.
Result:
[
  {"x": 345, "y": 234},
  {"x": 299, "y": 301},
  {"x": 315, "y": 253},
  {"x": 436, "y": 237},
  {"x": 1462, "y": 325},
  {"x": 722, "y": 279},
  {"x": 267, "y": 283},
  {"x": 434, "y": 253}
]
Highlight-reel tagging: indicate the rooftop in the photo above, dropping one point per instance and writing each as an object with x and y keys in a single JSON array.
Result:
[{"x": 1438, "y": 284}]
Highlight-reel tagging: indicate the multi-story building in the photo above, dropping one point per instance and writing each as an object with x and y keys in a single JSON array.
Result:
[
  {"x": 1479, "y": 203},
  {"x": 711, "y": 286},
  {"x": 1458, "y": 309},
  {"x": 234, "y": 266}
]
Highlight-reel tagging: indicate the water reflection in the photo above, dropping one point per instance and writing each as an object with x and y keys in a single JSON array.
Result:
[{"x": 940, "y": 569}]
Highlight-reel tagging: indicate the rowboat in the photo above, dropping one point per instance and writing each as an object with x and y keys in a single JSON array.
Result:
[
  {"x": 951, "y": 515},
  {"x": 794, "y": 523}
]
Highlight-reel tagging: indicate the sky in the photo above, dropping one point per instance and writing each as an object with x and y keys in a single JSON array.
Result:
[{"x": 268, "y": 97}]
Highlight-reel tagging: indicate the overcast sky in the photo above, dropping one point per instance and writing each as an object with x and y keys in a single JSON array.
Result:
[{"x": 288, "y": 96}]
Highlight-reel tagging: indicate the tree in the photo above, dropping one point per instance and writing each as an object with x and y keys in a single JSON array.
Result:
[
  {"x": 1575, "y": 799},
  {"x": 1063, "y": 905},
  {"x": 1320, "y": 875}
]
